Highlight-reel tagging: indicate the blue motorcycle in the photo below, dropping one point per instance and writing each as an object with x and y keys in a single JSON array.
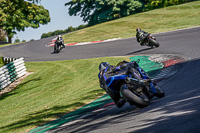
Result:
[{"x": 134, "y": 85}]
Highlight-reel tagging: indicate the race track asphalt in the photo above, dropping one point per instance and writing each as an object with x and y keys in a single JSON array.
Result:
[
  {"x": 177, "y": 112},
  {"x": 184, "y": 42}
]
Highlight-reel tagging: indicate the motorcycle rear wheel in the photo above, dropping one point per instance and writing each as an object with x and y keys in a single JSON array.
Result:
[{"x": 138, "y": 99}]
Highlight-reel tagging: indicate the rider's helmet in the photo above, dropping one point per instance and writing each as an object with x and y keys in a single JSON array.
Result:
[
  {"x": 138, "y": 29},
  {"x": 103, "y": 65},
  {"x": 59, "y": 37}
]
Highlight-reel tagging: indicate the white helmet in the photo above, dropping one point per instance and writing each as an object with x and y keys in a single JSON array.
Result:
[{"x": 59, "y": 36}]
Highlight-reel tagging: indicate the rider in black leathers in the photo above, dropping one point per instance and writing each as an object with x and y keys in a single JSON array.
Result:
[
  {"x": 59, "y": 38},
  {"x": 106, "y": 71},
  {"x": 141, "y": 36}
]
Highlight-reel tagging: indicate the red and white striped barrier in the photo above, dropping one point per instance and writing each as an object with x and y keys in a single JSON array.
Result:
[{"x": 52, "y": 43}]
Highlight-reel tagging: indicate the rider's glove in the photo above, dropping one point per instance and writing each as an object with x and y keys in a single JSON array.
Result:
[{"x": 135, "y": 65}]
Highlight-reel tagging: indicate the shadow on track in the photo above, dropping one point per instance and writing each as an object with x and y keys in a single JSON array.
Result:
[
  {"x": 138, "y": 51},
  {"x": 17, "y": 89},
  {"x": 53, "y": 52},
  {"x": 56, "y": 53}
]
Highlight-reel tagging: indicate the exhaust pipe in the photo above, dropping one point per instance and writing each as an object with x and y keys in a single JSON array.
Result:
[
  {"x": 136, "y": 81},
  {"x": 133, "y": 81}
]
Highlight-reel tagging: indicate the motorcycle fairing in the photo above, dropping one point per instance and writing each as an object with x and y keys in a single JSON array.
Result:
[
  {"x": 145, "y": 76},
  {"x": 111, "y": 81}
]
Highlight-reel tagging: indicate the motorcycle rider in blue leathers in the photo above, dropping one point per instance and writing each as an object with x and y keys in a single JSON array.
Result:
[{"x": 106, "y": 71}]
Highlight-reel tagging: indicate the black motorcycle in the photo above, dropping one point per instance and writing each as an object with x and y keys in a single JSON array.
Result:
[
  {"x": 57, "y": 46},
  {"x": 150, "y": 41}
]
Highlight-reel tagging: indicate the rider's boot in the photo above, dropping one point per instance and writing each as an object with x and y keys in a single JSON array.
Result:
[
  {"x": 63, "y": 46},
  {"x": 119, "y": 103},
  {"x": 118, "y": 100}
]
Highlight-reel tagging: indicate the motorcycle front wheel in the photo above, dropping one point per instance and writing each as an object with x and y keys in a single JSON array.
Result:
[
  {"x": 153, "y": 43},
  {"x": 138, "y": 99},
  {"x": 56, "y": 48}
]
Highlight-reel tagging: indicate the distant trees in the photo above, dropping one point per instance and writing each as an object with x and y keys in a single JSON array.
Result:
[
  {"x": 97, "y": 11},
  {"x": 58, "y": 32},
  {"x": 152, "y": 4},
  {"x": 17, "y": 41},
  {"x": 20, "y": 14},
  {"x": 2, "y": 34}
]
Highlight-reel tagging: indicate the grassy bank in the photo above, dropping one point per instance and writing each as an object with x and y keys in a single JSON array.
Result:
[
  {"x": 1, "y": 61},
  {"x": 159, "y": 20},
  {"x": 53, "y": 89},
  {"x": 4, "y": 45}
]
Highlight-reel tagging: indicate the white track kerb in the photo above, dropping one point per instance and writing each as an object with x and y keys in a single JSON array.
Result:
[{"x": 12, "y": 71}]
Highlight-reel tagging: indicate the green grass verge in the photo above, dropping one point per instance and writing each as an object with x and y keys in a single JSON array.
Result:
[
  {"x": 155, "y": 21},
  {"x": 1, "y": 61},
  {"x": 4, "y": 45},
  {"x": 55, "y": 88}
]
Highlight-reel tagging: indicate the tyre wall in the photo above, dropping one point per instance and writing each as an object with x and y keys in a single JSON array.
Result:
[{"x": 12, "y": 71}]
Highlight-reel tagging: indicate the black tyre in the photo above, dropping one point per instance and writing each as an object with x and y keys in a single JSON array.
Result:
[
  {"x": 134, "y": 98},
  {"x": 153, "y": 43},
  {"x": 56, "y": 48},
  {"x": 159, "y": 91}
]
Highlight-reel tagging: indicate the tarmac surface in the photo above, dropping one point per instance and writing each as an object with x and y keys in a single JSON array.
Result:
[{"x": 183, "y": 42}]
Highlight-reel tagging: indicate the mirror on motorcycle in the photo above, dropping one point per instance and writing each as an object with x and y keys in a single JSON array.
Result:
[{"x": 138, "y": 61}]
